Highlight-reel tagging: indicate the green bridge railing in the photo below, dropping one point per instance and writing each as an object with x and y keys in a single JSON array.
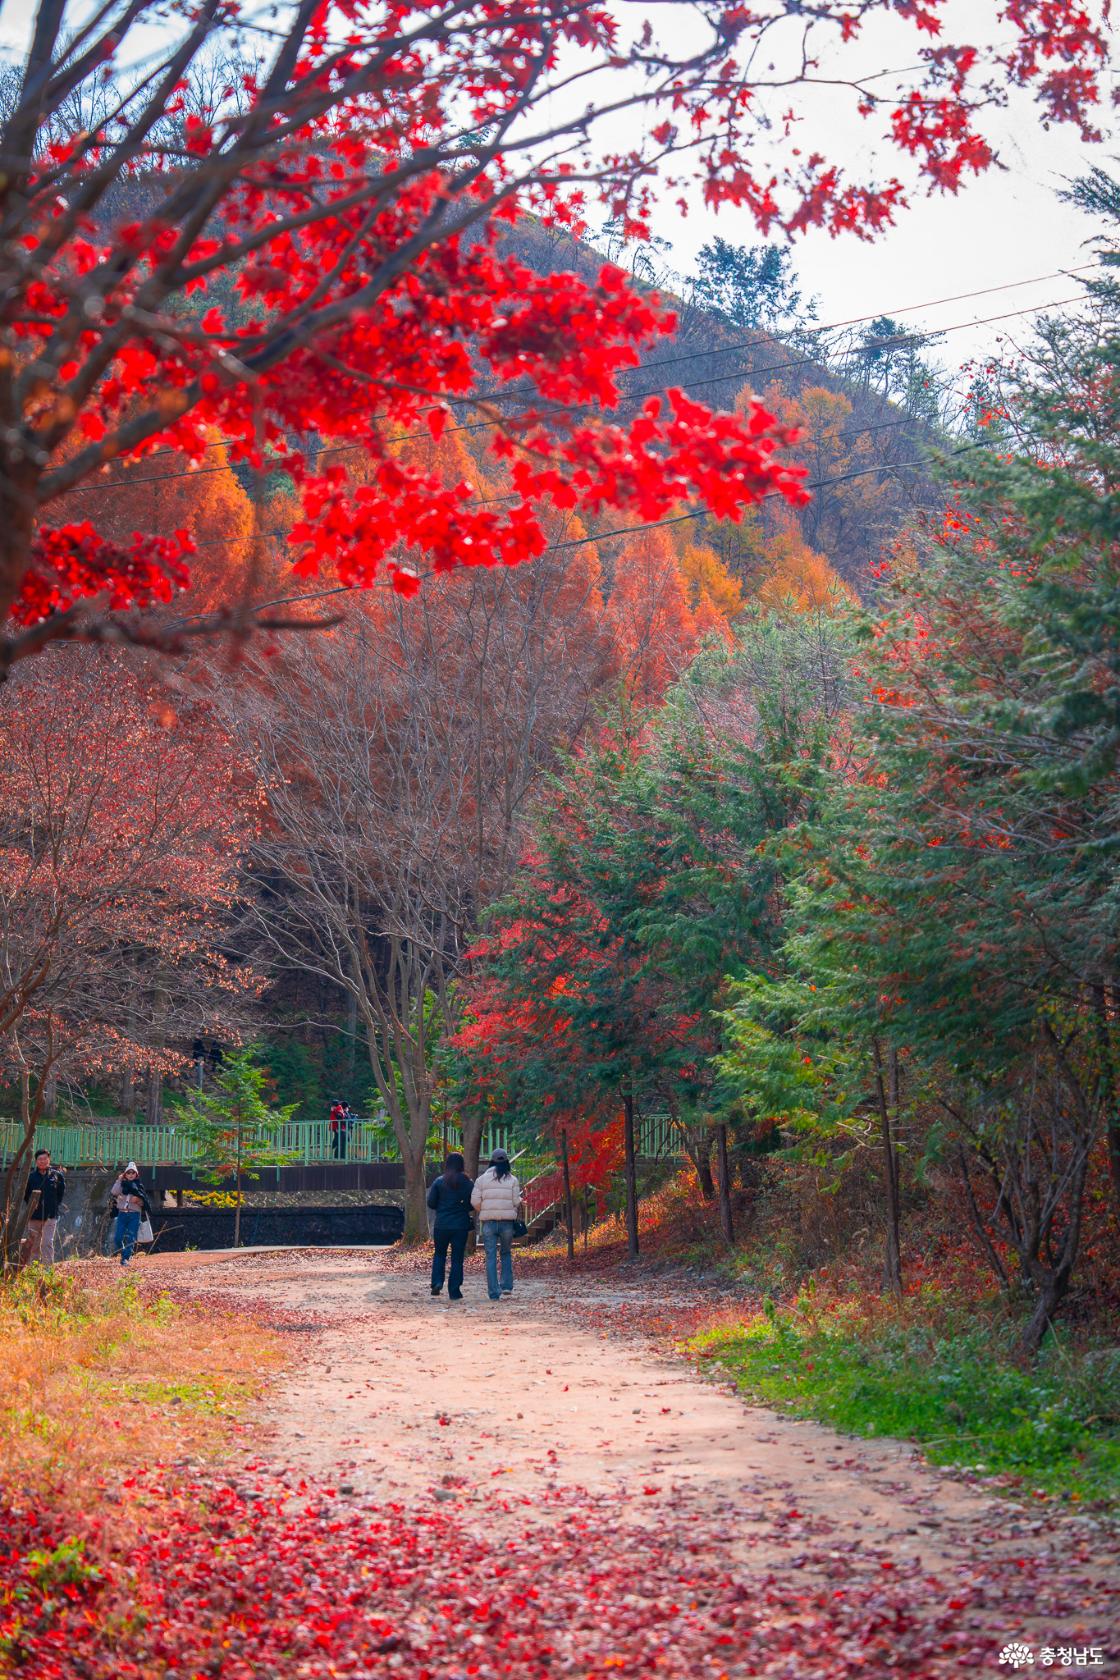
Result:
[{"x": 111, "y": 1143}]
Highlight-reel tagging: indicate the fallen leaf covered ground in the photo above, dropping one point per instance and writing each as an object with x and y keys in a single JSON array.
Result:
[
  {"x": 262, "y": 1578},
  {"x": 532, "y": 1492}
]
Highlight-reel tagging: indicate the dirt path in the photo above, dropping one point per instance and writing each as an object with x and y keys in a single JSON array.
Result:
[{"x": 497, "y": 1409}]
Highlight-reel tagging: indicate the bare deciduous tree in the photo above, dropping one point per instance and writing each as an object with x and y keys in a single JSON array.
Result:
[
  {"x": 398, "y": 752},
  {"x": 120, "y": 840}
]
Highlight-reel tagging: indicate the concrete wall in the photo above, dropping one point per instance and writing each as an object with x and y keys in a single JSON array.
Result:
[
  {"x": 83, "y": 1228},
  {"x": 356, "y": 1225}
]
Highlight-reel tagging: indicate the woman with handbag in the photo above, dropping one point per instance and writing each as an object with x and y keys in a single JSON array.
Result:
[
  {"x": 130, "y": 1200},
  {"x": 496, "y": 1198},
  {"x": 450, "y": 1201}
]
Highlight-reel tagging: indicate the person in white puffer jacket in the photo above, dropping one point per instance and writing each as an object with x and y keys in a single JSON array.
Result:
[{"x": 496, "y": 1198}]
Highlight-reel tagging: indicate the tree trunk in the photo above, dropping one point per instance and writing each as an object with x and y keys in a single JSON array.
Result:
[
  {"x": 987, "y": 1246},
  {"x": 153, "y": 1081},
  {"x": 126, "y": 1096},
  {"x": 1050, "y": 1298},
  {"x": 631, "y": 1174},
  {"x": 15, "y": 1211},
  {"x": 892, "y": 1271},
  {"x": 415, "y": 1196},
  {"x": 352, "y": 1041},
  {"x": 11, "y": 1220},
  {"x": 569, "y": 1211},
  {"x": 700, "y": 1154},
  {"x": 727, "y": 1223},
  {"x": 1051, "y": 1280},
  {"x": 1111, "y": 1087},
  {"x": 395, "y": 1052},
  {"x": 1113, "y": 1133},
  {"x": 472, "y": 1144},
  {"x": 237, "y": 1193}
]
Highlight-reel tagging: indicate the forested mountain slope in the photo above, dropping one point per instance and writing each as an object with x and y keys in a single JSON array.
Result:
[{"x": 864, "y": 402}]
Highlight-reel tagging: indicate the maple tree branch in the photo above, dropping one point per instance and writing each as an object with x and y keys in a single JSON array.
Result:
[{"x": 119, "y": 630}]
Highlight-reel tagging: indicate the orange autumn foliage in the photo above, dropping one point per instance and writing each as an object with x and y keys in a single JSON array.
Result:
[
  {"x": 709, "y": 582},
  {"x": 797, "y": 574},
  {"x": 649, "y": 616},
  {"x": 209, "y": 503},
  {"x": 710, "y": 621},
  {"x": 849, "y": 499}
]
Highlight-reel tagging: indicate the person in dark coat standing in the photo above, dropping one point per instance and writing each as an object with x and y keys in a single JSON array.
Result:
[
  {"x": 450, "y": 1201},
  {"x": 45, "y": 1191},
  {"x": 340, "y": 1125}
]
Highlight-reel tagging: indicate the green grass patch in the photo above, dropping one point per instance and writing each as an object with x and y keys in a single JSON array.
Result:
[
  {"x": 215, "y": 1395},
  {"x": 958, "y": 1393}
]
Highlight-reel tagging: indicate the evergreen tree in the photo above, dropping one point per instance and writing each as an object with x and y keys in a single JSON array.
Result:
[
  {"x": 233, "y": 1127},
  {"x": 956, "y": 908},
  {"x": 751, "y": 285},
  {"x": 654, "y": 874}
]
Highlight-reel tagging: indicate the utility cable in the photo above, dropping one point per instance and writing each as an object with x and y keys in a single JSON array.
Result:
[
  {"x": 630, "y": 396},
  {"x": 720, "y": 350},
  {"x": 620, "y": 531}
]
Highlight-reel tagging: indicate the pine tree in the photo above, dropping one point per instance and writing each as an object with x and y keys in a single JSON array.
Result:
[
  {"x": 957, "y": 907},
  {"x": 233, "y": 1127}
]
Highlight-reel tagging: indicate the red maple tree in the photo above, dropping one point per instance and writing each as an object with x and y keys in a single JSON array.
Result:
[{"x": 308, "y": 259}]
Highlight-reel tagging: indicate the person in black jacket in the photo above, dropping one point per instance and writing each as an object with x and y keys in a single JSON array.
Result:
[
  {"x": 450, "y": 1200},
  {"x": 46, "y": 1188}
]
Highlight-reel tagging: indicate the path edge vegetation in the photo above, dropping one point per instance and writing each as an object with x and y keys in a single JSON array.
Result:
[
  {"x": 1043, "y": 1430},
  {"x": 105, "y": 1371}
]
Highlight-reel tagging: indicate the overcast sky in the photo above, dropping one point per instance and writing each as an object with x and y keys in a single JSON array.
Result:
[{"x": 1007, "y": 225}]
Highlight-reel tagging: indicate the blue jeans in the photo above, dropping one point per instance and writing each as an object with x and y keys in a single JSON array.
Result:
[
  {"x": 495, "y": 1233},
  {"x": 124, "y": 1235}
]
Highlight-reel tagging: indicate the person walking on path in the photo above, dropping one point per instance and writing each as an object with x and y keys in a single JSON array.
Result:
[
  {"x": 46, "y": 1189},
  {"x": 130, "y": 1199},
  {"x": 450, "y": 1201},
  {"x": 339, "y": 1126},
  {"x": 496, "y": 1198}
]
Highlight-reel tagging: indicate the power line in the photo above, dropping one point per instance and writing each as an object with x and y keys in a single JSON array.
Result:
[
  {"x": 688, "y": 356},
  {"x": 752, "y": 343},
  {"x": 775, "y": 367},
  {"x": 881, "y": 344},
  {"x": 625, "y": 530},
  {"x": 208, "y": 545},
  {"x": 835, "y": 326},
  {"x": 204, "y": 472},
  {"x": 815, "y": 484}
]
